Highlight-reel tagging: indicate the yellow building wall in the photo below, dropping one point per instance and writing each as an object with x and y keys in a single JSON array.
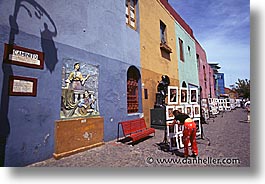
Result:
[{"x": 153, "y": 65}]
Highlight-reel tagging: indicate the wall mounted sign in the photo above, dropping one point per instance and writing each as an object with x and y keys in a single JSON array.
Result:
[
  {"x": 22, "y": 86},
  {"x": 17, "y": 55}
]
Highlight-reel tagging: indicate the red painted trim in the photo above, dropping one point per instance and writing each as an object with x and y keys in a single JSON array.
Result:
[{"x": 177, "y": 17}]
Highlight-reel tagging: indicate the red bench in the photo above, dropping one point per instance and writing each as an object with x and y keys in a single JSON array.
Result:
[{"x": 135, "y": 129}]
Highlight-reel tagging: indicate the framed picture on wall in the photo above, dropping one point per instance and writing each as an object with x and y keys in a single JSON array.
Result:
[
  {"x": 169, "y": 112},
  {"x": 198, "y": 126},
  {"x": 196, "y": 111},
  {"x": 193, "y": 95},
  {"x": 189, "y": 110},
  {"x": 172, "y": 95},
  {"x": 180, "y": 108},
  {"x": 183, "y": 95}
]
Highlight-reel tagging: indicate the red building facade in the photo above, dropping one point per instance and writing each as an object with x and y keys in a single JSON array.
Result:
[{"x": 206, "y": 79}]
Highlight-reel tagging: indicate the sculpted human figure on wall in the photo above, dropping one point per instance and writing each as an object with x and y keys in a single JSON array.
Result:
[
  {"x": 79, "y": 90},
  {"x": 87, "y": 104},
  {"x": 76, "y": 78}
]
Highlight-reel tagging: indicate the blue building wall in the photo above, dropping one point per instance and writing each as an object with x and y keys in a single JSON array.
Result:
[
  {"x": 88, "y": 31},
  {"x": 219, "y": 84}
]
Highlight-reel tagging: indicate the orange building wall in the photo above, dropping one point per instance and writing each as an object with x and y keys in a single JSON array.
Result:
[{"x": 153, "y": 65}]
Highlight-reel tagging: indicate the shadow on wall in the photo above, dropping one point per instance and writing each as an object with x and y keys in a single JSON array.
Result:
[
  {"x": 50, "y": 53},
  {"x": 48, "y": 47}
]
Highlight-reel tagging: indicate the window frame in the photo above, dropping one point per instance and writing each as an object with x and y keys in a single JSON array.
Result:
[
  {"x": 164, "y": 47},
  {"x": 163, "y": 32},
  {"x": 189, "y": 50},
  {"x": 181, "y": 51},
  {"x": 128, "y": 13},
  {"x": 133, "y": 89}
]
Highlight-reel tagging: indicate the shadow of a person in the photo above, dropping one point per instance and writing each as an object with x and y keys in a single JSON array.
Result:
[{"x": 48, "y": 48}]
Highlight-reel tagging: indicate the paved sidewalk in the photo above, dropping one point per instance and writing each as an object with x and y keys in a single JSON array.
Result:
[{"x": 230, "y": 146}]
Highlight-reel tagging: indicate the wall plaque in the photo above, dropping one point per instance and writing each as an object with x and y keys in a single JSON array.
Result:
[
  {"x": 22, "y": 86},
  {"x": 17, "y": 55}
]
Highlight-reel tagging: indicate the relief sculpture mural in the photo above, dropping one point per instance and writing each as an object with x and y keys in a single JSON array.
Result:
[{"x": 79, "y": 89}]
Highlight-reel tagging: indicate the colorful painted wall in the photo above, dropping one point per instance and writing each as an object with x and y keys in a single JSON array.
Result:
[
  {"x": 90, "y": 32},
  {"x": 153, "y": 64},
  {"x": 188, "y": 69},
  {"x": 205, "y": 73},
  {"x": 211, "y": 82},
  {"x": 219, "y": 84}
]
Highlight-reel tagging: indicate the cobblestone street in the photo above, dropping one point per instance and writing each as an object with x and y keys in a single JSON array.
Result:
[{"x": 229, "y": 136}]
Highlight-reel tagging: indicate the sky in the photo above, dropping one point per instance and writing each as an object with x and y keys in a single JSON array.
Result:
[{"x": 222, "y": 27}]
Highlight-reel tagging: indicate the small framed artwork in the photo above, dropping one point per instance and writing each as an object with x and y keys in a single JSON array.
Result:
[
  {"x": 172, "y": 95},
  {"x": 196, "y": 111},
  {"x": 180, "y": 128},
  {"x": 216, "y": 100},
  {"x": 193, "y": 95},
  {"x": 222, "y": 101},
  {"x": 180, "y": 108},
  {"x": 204, "y": 101},
  {"x": 189, "y": 110},
  {"x": 198, "y": 126},
  {"x": 22, "y": 86},
  {"x": 173, "y": 143},
  {"x": 210, "y": 100},
  {"x": 172, "y": 135},
  {"x": 205, "y": 113},
  {"x": 180, "y": 140},
  {"x": 183, "y": 95},
  {"x": 171, "y": 128},
  {"x": 169, "y": 112}
]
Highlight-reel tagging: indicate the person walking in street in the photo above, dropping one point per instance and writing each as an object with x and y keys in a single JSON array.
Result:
[{"x": 189, "y": 132}]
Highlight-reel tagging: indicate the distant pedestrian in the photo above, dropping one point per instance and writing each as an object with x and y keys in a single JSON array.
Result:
[{"x": 189, "y": 132}]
